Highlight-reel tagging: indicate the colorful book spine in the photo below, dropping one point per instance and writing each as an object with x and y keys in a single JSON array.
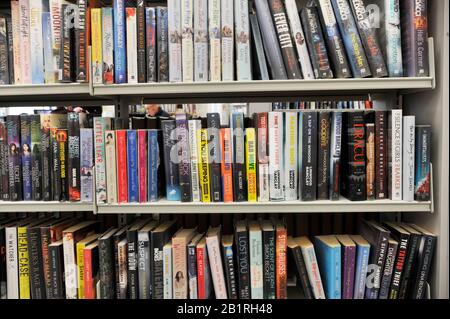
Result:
[
  {"x": 25, "y": 41},
  {"x": 162, "y": 44},
  {"x": 81, "y": 43},
  {"x": 200, "y": 40},
  {"x": 122, "y": 167},
  {"x": 263, "y": 157},
  {"x": 62, "y": 138},
  {"x": 142, "y": 164},
  {"x": 422, "y": 186},
  {"x": 25, "y": 136},
  {"x": 120, "y": 59},
  {"x": 203, "y": 271},
  {"x": 238, "y": 150},
  {"x": 362, "y": 261},
  {"x": 14, "y": 158},
  {"x": 73, "y": 156},
  {"x": 335, "y": 155},
  {"x": 192, "y": 271},
  {"x": 308, "y": 160},
  {"x": 329, "y": 258},
  {"x": 242, "y": 38},
  {"x": 47, "y": 47},
  {"x": 381, "y": 146},
  {"x": 96, "y": 48},
  {"x": 391, "y": 37},
  {"x": 396, "y": 149},
  {"x": 36, "y": 43},
  {"x": 202, "y": 137},
  {"x": 132, "y": 169},
  {"x": 23, "y": 263},
  {"x": 10, "y": 49},
  {"x": 67, "y": 56},
  {"x": 290, "y": 155},
  {"x": 215, "y": 65},
  {"x": 4, "y": 66},
  {"x": 86, "y": 165},
  {"x": 370, "y": 160},
  {"x": 276, "y": 178},
  {"x": 150, "y": 27},
  {"x": 16, "y": 33},
  {"x": 153, "y": 164},
  {"x": 131, "y": 42},
  {"x": 227, "y": 40},
  {"x": 193, "y": 127},
  {"x": 4, "y": 149},
  {"x": 213, "y": 124},
  {"x": 107, "y": 67},
  {"x": 226, "y": 141},
  {"x": 281, "y": 262},
  {"x": 36, "y": 157},
  {"x": 323, "y": 156},
  {"x": 184, "y": 166},
  {"x": 389, "y": 265},
  {"x": 187, "y": 40},
  {"x": 171, "y": 160},
  {"x": 409, "y": 147},
  {"x": 141, "y": 44},
  {"x": 56, "y": 35},
  {"x": 175, "y": 30},
  {"x": 56, "y": 167},
  {"x": 111, "y": 170},
  {"x": 250, "y": 154},
  {"x": 100, "y": 125}
]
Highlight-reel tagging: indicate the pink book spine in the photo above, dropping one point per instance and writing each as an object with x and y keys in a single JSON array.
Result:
[
  {"x": 142, "y": 165},
  {"x": 25, "y": 54}
]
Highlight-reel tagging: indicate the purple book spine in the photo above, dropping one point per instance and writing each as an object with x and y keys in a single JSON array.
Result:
[{"x": 349, "y": 272}]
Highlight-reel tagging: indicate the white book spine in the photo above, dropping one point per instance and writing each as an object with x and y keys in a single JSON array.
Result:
[
  {"x": 36, "y": 42},
  {"x": 200, "y": 40},
  {"x": 111, "y": 177},
  {"x": 227, "y": 31},
  {"x": 167, "y": 271},
  {"x": 256, "y": 265},
  {"x": 291, "y": 155},
  {"x": 174, "y": 23},
  {"x": 276, "y": 178},
  {"x": 15, "y": 19},
  {"x": 25, "y": 54},
  {"x": 12, "y": 267},
  {"x": 263, "y": 178},
  {"x": 187, "y": 41},
  {"x": 312, "y": 268},
  {"x": 56, "y": 23},
  {"x": 131, "y": 45},
  {"x": 397, "y": 140},
  {"x": 194, "y": 126},
  {"x": 242, "y": 36},
  {"x": 409, "y": 136},
  {"x": 215, "y": 263},
  {"x": 107, "y": 44},
  {"x": 70, "y": 266},
  {"x": 214, "y": 40},
  {"x": 299, "y": 37}
]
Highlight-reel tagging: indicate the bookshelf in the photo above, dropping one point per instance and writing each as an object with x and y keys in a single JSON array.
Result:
[{"x": 30, "y": 206}]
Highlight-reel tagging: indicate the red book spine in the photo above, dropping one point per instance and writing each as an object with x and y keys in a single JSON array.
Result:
[
  {"x": 201, "y": 273},
  {"x": 281, "y": 271},
  {"x": 142, "y": 165},
  {"x": 89, "y": 289},
  {"x": 122, "y": 179}
]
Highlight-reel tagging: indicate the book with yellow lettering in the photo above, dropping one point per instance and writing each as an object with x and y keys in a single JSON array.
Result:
[
  {"x": 250, "y": 155},
  {"x": 80, "y": 262},
  {"x": 290, "y": 155},
  {"x": 203, "y": 165},
  {"x": 96, "y": 46},
  {"x": 23, "y": 262}
]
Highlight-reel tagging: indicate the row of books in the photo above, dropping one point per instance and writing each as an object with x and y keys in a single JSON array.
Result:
[
  {"x": 67, "y": 258},
  {"x": 219, "y": 40},
  {"x": 323, "y": 105}
]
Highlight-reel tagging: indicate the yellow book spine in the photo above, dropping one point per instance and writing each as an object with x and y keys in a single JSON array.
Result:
[
  {"x": 24, "y": 263},
  {"x": 250, "y": 154},
  {"x": 202, "y": 136},
  {"x": 80, "y": 268},
  {"x": 96, "y": 46}
]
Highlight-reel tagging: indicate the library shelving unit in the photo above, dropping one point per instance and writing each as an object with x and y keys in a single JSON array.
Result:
[{"x": 426, "y": 98}]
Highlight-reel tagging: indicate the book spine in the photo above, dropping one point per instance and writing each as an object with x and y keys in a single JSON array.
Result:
[
  {"x": 213, "y": 123},
  {"x": 25, "y": 136},
  {"x": 334, "y": 41},
  {"x": 187, "y": 40},
  {"x": 132, "y": 276},
  {"x": 242, "y": 39},
  {"x": 396, "y": 149},
  {"x": 162, "y": 44},
  {"x": 378, "y": 257},
  {"x": 201, "y": 280},
  {"x": 290, "y": 155},
  {"x": 227, "y": 40},
  {"x": 302, "y": 273},
  {"x": 388, "y": 270},
  {"x": 335, "y": 156},
  {"x": 74, "y": 156},
  {"x": 56, "y": 171},
  {"x": 62, "y": 138},
  {"x": 184, "y": 166},
  {"x": 192, "y": 272},
  {"x": 56, "y": 36},
  {"x": 400, "y": 260},
  {"x": 150, "y": 27},
  {"x": 167, "y": 272},
  {"x": 99, "y": 35},
  {"x": 239, "y": 182},
  {"x": 316, "y": 43},
  {"x": 110, "y": 165},
  {"x": 214, "y": 29},
  {"x": 270, "y": 41},
  {"x": 308, "y": 160},
  {"x": 100, "y": 125},
  {"x": 381, "y": 155},
  {"x": 86, "y": 165},
  {"x": 269, "y": 256},
  {"x": 281, "y": 262},
  {"x": 143, "y": 265},
  {"x": 80, "y": 269},
  {"x": 131, "y": 42},
  {"x": 12, "y": 266},
  {"x": 81, "y": 43},
  {"x": 369, "y": 39},
  {"x": 243, "y": 266},
  {"x": 171, "y": 160},
  {"x": 200, "y": 40},
  {"x": 250, "y": 155},
  {"x": 193, "y": 127},
  {"x": 70, "y": 265},
  {"x": 257, "y": 45},
  {"x": 141, "y": 44},
  {"x": 132, "y": 169},
  {"x": 49, "y": 71},
  {"x": 230, "y": 272},
  {"x": 226, "y": 165},
  {"x": 370, "y": 160},
  {"x": 409, "y": 131},
  {"x": 36, "y": 157},
  {"x": 276, "y": 178},
  {"x": 156, "y": 252},
  {"x": 179, "y": 264},
  {"x": 352, "y": 41},
  {"x": 67, "y": 43},
  {"x": 256, "y": 270},
  {"x": 10, "y": 49},
  {"x": 89, "y": 282},
  {"x": 107, "y": 67},
  {"x": 122, "y": 286},
  {"x": 202, "y": 136},
  {"x": 57, "y": 273},
  {"x": 215, "y": 262},
  {"x": 323, "y": 156},
  {"x": 153, "y": 163},
  {"x": 425, "y": 257},
  {"x": 120, "y": 59},
  {"x": 24, "y": 263},
  {"x": 4, "y": 66},
  {"x": 25, "y": 41},
  {"x": 313, "y": 272},
  {"x": 4, "y": 148},
  {"x": 263, "y": 158},
  {"x": 175, "y": 35},
  {"x": 142, "y": 165},
  {"x": 422, "y": 186},
  {"x": 106, "y": 269},
  {"x": 16, "y": 44},
  {"x": 14, "y": 158},
  {"x": 393, "y": 38}
]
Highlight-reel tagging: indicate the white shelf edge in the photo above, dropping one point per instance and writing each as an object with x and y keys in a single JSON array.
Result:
[
  {"x": 44, "y": 89},
  {"x": 41, "y": 206}
]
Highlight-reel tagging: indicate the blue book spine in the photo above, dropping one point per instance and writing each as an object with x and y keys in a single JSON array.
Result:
[
  {"x": 25, "y": 135},
  {"x": 120, "y": 63},
  {"x": 153, "y": 163},
  {"x": 48, "y": 50},
  {"x": 133, "y": 185},
  {"x": 330, "y": 268},
  {"x": 362, "y": 260}
]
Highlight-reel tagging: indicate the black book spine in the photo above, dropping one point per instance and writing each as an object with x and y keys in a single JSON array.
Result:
[
  {"x": 323, "y": 173},
  {"x": 230, "y": 272},
  {"x": 150, "y": 26},
  {"x": 56, "y": 272},
  {"x": 269, "y": 264},
  {"x": 388, "y": 270},
  {"x": 162, "y": 44},
  {"x": 36, "y": 157},
  {"x": 192, "y": 270},
  {"x": 14, "y": 157},
  {"x": 381, "y": 157},
  {"x": 316, "y": 44},
  {"x": 10, "y": 50},
  {"x": 411, "y": 259},
  {"x": 214, "y": 153},
  {"x": 356, "y": 157},
  {"x": 4, "y": 178},
  {"x": 260, "y": 70},
  {"x": 422, "y": 187},
  {"x": 73, "y": 162},
  {"x": 425, "y": 258},
  {"x": 399, "y": 266},
  {"x": 309, "y": 156},
  {"x": 140, "y": 15},
  {"x": 25, "y": 136},
  {"x": 302, "y": 273},
  {"x": 45, "y": 242},
  {"x": 81, "y": 43},
  {"x": 35, "y": 256},
  {"x": 184, "y": 166},
  {"x": 170, "y": 163},
  {"x": 377, "y": 257},
  {"x": 66, "y": 44},
  {"x": 143, "y": 265},
  {"x": 243, "y": 264},
  {"x": 156, "y": 265},
  {"x": 285, "y": 39},
  {"x": 61, "y": 138},
  {"x": 46, "y": 149},
  {"x": 106, "y": 271},
  {"x": 56, "y": 171},
  {"x": 3, "y": 280},
  {"x": 4, "y": 65},
  {"x": 133, "y": 276}
]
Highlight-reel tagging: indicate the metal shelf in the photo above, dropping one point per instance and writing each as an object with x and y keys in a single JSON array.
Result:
[
  {"x": 325, "y": 206},
  {"x": 41, "y": 206}
]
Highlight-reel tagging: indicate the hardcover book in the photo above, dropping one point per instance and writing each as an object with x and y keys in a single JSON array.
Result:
[
  {"x": 256, "y": 260},
  {"x": 57, "y": 270},
  {"x": 171, "y": 160},
  {"x": 213, "y": 240},
  {"x": 302, "y": 274},
  {"x": 250, "y": 152},
  {"x": 262, "y": 156},
  {"x": 259, "y": 58},
  {"x": 154, "y": 165},
  {"x": 131, "y": 42},
  {"x": 106, "y": 262},
  {"x": 162, "y": 41},
  {"x": 142, "y": 165},
  {"x": 81, "y": 43},
  {"x": 422, "y": 187},
  {"x": 238, "y": 151},
  {"x": 291, "y": 155},
  {"x": 97, "y": 47},
  {"x": 101, "y": 124},
  {"x": 214, "y": 30},
  {"x": 276, "y": 178},
  {"x": 214, "y": 155},
  {"x": 179, "y": 254},
  {"x": 323, "y": 156},
  {"x": 132, "y": 169},
  {"x": 348, "y": 254},
  {"x": 227, "y": 40},
  {"x": 151, "y": 46},
  {"x": 226, "y": 141},
  {"x": 91, "y": 271},
  {"x": 335, "y": 155},
  {"x": 187, "y": 40},
  {"x": 120, "y": 58},
  {"x": 361, "y": 264},
  {"x": 307, "y": 140},
  {"x": 201, "y": 40},
  {"x": 144, "y": 262},
  {"x": 396, "y": 153},
  {"x": 204, "y": 281},
  {"x": 86, "y": 165},
  {"x": 242, "y": 39},
  {"x": 370, "y": 160},
  {"x": 388, "y": 269},
  {"x": 202, "y": 137},
  {"x": 184, "y": 166},
  {"x": 110, "y": 165},
  {"x": 73, "y": 161},
  {"x": 381, "y": 165},
  {"x": 175, "y": 34},
  {"x": 230, "y": 270},
  {"x": 242, "y": 258}
]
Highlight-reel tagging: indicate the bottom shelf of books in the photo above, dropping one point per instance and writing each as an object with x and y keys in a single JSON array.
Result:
[{"x": 201, "y": 256}]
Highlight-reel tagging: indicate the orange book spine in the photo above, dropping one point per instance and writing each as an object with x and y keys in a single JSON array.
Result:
[
  {"x": 122, "y": 179},
  {"x": 281, "y": 260},
  {"x": 89, "y": 289},
  {"x": 226, "y": 164}
]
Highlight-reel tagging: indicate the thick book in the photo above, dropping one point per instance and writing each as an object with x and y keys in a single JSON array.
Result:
[
  {"x": 144, "y": 262},
  {"x": 175, "y": 30},
  {"x": 36, "y": 157},
  {"x": 153, "y": 150},
  {"x": 56, "y": 165},
  {"x": 171, "y": 160},
  {"x": 396, "y": 154},
  {"x": 242, "y": 258},
  {"x": 381, "y": 156},
  {"x": 348, "y": 254},
  {"x": 256, "y": 260},
  {"x": 91, "y": 270},
  {"x": 97, "y": 46},
  {"x": 16, "y": 44},
  {"x": 296, "y": 256},
  {"x": 141, "y": 44},
  {"x": 422, "y": 185},
  {"x": 73, "y": 125},
  {"x": 250, "y": 155},
  {"x": 388, "y": 269},
  {"x": 361, "y": 264},
  {"x": 238, "y": 151},
  {"x": 329, "y": 258},
  {"x": 307, "y": 140},
  {"x": 290, "y": 155},
  {"x": 333, "y": 38},
  {"x": 323, "y": 155},
  {"x": 184, "y": 163},
  {"x": 281, "y": 259},
  {"x": 81, "y": 42},
  {"x": 142, "y": 165},
  {"x": 192, "y": 266},
  {"x": 110, "y": 165},
  {"x": 213, "y": 240},
  {"x": 106, "y": 261},
  {"x": 408, "y": 154},
  {"x": 270, "y": 41},
  {"x": 214, "y": 154},
  {"x": 179, "y": 254},
  {"x": 86, "y": 165},
  {"x": 36, "y": 43},
  {"x": 204, "y": 170},
  {"x": 187, "y": 40},
  {"x": 67, "y": 52},
  {"x": 201, "y": 57},
  {"x": 131, "y": 43},
  {"x": 80, "y": 246},
  {"x": 101, "y": 124},
  {"x": 276, "y": 136},
  {"x": 62, "y": 141},
  {"x": 150, "y": 44},
  {"x": 25, "y": 137},
  {"x": 204, "y": 280},
  {"x": 226, "y": 141},
  {"x": 229, "y": 265},
  {"x": 57, "y": 278},
  {"x": 269, "y": 259},
  {"x": 14, "y": 157},
  {"x": 215, "y": 34},
  {"x": 242, "y": 39},
  {"x": 120, "y": 58},
  {"x": 335, "y": 155},
  {"x": 122, "y": 270},
  {"x": 25, "y": 264},
  {"x": 227, "y": 40},
  {"x": 259, "y": 63},
  {"x": 25, "y": 45},
  {"x": 132, "y": 169},
  {"x": 370, "y": 160},
  {"x": 107, "y": 45},
  {"x": 261, "y": 123},
  {"x": 162, "y": 40}
]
